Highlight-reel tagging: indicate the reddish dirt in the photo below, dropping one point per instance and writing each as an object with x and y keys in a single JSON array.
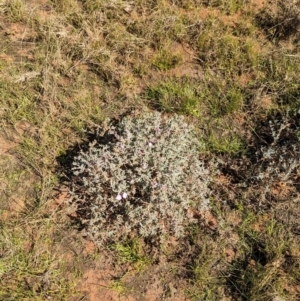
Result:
[
  {"x": 99, "y": 277},
  {"x": 107, "y": 282},
  {"x": 188, "y": 68},
  {"x": 103, "y": 282},
  {"x": 90, "y": 248},
  {"x": 17, "y": 202},
  {"x": 19, "y": 32},
  {"x": 244, "y": 79},
  {"x": 288, "y": 212},
  {"x": 6, "y": 145},
  {"x": 230, "y": 254},
  {"x": 97, "y": 285},
  {"x": 282, "y": 190},
  {"x": 15, "y": 184},
  {"x": 7, "y": 58},
  {"x": 258, "y": 4},
  {"x": 15, "y": 206}
]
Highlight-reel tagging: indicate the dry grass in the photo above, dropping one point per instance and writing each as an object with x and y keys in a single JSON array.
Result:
[{"x": 68, "y": 65}]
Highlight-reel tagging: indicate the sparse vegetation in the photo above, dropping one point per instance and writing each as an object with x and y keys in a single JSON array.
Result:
[
  {"x": 231, "y": 68},
  {"x": 132, "y": 252},
  {"x": 281, "y": 21}
]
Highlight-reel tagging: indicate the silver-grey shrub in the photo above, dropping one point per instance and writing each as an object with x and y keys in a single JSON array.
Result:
[
  {"x": 278, "y": 161},
  {"x": 143, "y": 181}
]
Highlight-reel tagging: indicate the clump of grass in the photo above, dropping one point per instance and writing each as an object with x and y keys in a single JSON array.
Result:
[
  {"x": 175, "y": 95},
  {"x": 131, "y": 252},
  {"x": 165, "y": 26},
  {"x": 280, "y": 20},
  {"x": 28, "y": 268},
  {"x": 229, "y": 143},
  {"x": 221, "y": 50},
  {"x": 205, "y": 283},
  {"x": 92, "y": 6},
  {"x": 66, "y": 7},
  {"x": 120, "y": 287},
  {"x": 186, "y": 97},
  {"x": 279, "y": 73},
  {"x": 18, "y": 103},
  {"x": 15, "y": 9},
  {"x": 221, "y": 98},
  {"x": 260, "y": 272},
  {"x": 229, "y": 7},
  {"x": 165, "y": 60}
]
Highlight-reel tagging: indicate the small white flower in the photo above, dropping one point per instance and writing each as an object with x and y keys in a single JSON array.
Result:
[
  {"x": 124, "y": 195},
  {"x": 119, "y": 197},
  {"x": 150, "y": 144}
]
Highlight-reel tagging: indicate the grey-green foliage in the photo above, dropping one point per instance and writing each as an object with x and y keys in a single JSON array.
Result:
[
  {"x": 143, "y": 180},
  {"x": 279, "y": 160}
]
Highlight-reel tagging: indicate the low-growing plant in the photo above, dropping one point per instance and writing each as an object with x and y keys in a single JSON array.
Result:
[
  {"x": 119, "y": 287},
  {"x": 221, "y": 99},
  {"x": 231, "y": 144},
  {"x": 165, "y": 60},
  {"x": 179, "y": 96},
  {"x": 29, "y": 269},
  {"x": 222, "y": 49},
  {"x": 282, "y": 21},
  {"x": 205, "y": 285},
  {"x": 15, "y": 9},
  {"x": 132, "y": 252},
  {"x": 277, "y": 160},
  {"x": 144, "y": 179},
  {"x": 229, "y": 7},
  {"x": 259, "y": 273},
  {"x": 279, "y": 73}
]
